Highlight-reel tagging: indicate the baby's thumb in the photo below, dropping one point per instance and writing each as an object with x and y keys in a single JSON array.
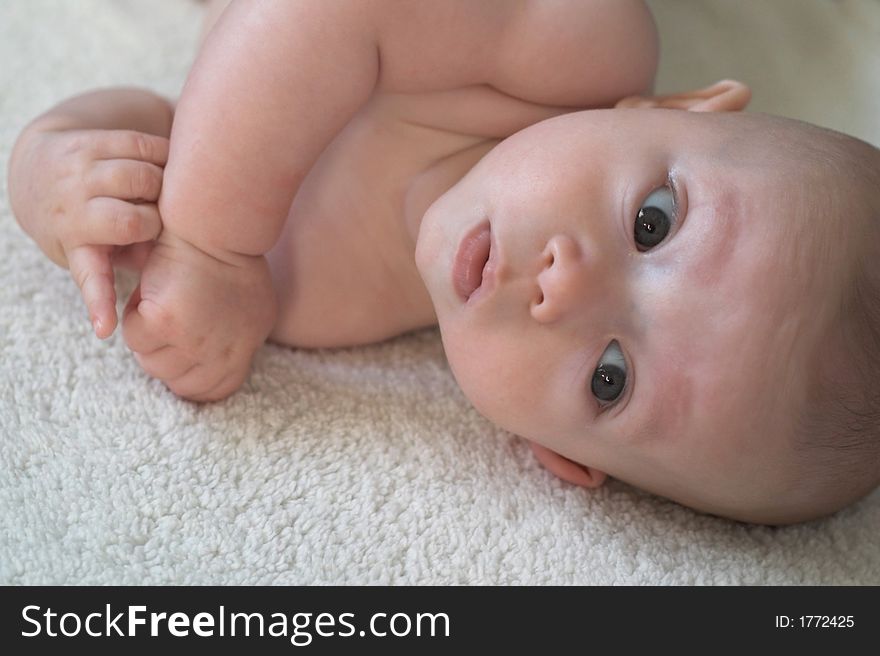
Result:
[
  {"x": 139, "y": 333},
  {"x": 133, "y": 302}
]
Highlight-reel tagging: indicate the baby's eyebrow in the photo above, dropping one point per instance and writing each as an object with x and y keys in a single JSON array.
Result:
[
  {"x": 625, "y": 200},
  {"x": 721, "y": 221}
]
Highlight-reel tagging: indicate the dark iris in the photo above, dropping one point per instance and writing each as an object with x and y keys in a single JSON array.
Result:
[
  {"x": 652, "y": 226},
  {"x": 608, "y": 381}
]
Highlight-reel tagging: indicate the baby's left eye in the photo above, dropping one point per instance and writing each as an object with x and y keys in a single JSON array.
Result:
[
  {"x": 609, "y": 377},
  {"x": 655, "y": 219}
]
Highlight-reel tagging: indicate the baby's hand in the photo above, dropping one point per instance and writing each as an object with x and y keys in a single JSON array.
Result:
[
  {"x": 196, "y": 321},
  {"x": 88, "y": 198}
]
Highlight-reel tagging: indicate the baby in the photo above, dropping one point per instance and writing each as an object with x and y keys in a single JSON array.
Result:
[{"x": 687, "y": 300}]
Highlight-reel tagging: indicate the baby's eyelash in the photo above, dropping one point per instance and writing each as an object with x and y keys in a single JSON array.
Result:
[{"x": 673, "y": 187}]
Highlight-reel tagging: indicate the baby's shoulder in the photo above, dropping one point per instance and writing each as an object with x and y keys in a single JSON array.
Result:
[{"x": 573, "y": 53}]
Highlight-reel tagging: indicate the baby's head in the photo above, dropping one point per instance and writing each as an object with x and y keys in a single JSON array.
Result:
[{"x": 688, "y": 301}]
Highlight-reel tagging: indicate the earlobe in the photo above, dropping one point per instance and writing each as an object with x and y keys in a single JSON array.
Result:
[{"x": 568, "y": 470}]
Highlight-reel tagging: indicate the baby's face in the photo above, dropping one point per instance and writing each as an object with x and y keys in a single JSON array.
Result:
[{"x": 647, "y": 304}]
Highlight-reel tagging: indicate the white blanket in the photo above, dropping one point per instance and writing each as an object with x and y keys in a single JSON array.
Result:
[{"x": 363, "y": 465}]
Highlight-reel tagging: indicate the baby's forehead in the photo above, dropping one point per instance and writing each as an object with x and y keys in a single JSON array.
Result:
[
  {"x": 788, "y": 152},
  {"x": 792, "y": 190}
]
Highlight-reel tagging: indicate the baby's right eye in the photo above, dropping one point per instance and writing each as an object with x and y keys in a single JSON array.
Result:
[
  {"x": 609, "y": 378},
  {"x": 655, "y": 218}
]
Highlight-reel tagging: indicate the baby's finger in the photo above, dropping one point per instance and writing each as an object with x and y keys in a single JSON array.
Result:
[
  {"x": 128, "y": 179},
  {"x": 140, "y": 332},
  {"x": 112, "y": 221},
  {"x": 165, "y": 363},
  {"x": 91, "y": 269},
  {"x": 128, "y": 144},
  {"x": 198, "y": 385}
]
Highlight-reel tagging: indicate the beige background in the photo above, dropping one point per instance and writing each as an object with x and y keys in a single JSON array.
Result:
[{"x": 815, "y": 60}]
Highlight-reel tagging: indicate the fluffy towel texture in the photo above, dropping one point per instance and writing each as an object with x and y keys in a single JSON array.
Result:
[{"x": 364, "y": 465}]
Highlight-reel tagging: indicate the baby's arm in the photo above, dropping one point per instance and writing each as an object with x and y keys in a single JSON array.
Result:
[
  {"x": 273, "y": 84},
  {"x": 84, "y": 179}
]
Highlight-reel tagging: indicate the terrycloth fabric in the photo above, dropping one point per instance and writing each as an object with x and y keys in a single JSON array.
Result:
[{"x": 363, "y": 465}]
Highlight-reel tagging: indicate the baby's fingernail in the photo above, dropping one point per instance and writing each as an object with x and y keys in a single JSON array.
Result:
[{"x": 96, "y": 324}]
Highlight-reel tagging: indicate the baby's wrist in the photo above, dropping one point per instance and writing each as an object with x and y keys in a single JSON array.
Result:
[
  {"x": 249, "y": 275},
  {"x": 197, "y": 251}
]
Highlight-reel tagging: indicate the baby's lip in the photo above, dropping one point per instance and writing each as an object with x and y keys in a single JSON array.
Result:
[{"x": 474, "y": 263}]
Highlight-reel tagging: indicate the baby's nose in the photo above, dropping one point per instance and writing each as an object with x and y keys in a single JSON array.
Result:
[{"x": 563, "y": 281}]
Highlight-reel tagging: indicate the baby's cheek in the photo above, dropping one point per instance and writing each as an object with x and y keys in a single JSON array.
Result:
[
  {"x": 672, "y": 411},
  {"x": 480, "y": 380},
  {"x": 492, "y": 383}
]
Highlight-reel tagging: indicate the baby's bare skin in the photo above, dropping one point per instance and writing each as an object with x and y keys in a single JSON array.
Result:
[
  {"x": 84, "y": 179},
  {"x": 340, "y": 267},
  {"x": 342, "y": 251}
]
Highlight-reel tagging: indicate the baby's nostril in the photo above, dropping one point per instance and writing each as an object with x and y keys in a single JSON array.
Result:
[{"x": 540, "y": 298}]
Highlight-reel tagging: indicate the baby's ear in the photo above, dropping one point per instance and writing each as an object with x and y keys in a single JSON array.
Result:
[
  {"x": 568, "y": 470},
  {"x": 723, "y": 96}
]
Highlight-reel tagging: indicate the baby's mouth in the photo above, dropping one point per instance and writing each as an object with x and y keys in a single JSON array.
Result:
[{"x": 471, "y": 259}]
